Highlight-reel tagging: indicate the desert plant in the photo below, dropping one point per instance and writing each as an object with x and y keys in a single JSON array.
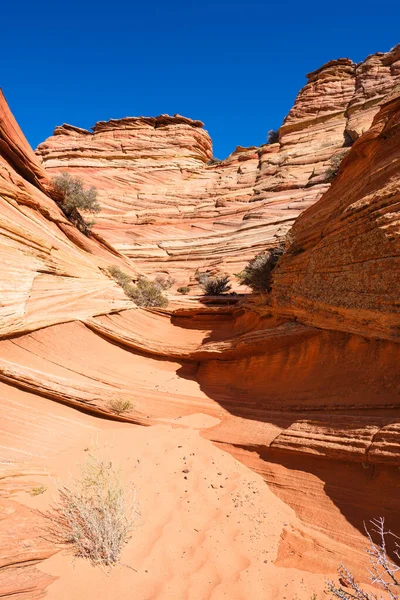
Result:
[
  {"x": 146, "y": 293},
  {"x": 214, "y": 161},
  {"x": 119, "y": 275},
  {"x": 273, "y": 136},
  {"x": 257, "y": 274},
  {"x": 94, "y": 515},
  {"x": 334, "y": 164},
  {"x": 382, "y": 570},
  {"x": 165, "y": 283},
  {"x": 120, "y": 406},
  {"x": 36, "y": 491},
  {"x": 75, "y": 199},
  {"x": 214, "y": 286},
  {"x": 184, "y": 289}
]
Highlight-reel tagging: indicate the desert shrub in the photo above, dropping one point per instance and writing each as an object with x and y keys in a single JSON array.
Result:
[
  {"x": 214, "y": 286},
  {"x": 75, "y": 199},
  {"x": 36, "y": 491},
  {"x": 184, "y": 289},
  {"x": 334, "y": 165},
  {"x": 165, "y": 283},
  {"x": 94, "y": 515},
  {"x": 119, "y": 275},
  {"x": 120, "y": 406},
  {"x": 147, "y": 293},
  {"x": 273, "y": 136},
  {"x": 257, "y": 274},
  {"x": 383, "y": 571}
]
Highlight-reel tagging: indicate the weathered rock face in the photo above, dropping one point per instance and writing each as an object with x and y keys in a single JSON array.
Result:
[
  {"x": 49, "y": 272},
  {"x": 169, "y": 210},
  {"x": 342, "y": 270}
]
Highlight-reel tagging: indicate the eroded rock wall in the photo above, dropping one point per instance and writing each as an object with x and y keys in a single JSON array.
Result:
[
  {"x": 342, "y": 269},
  {"x": 170, "y": 210}
]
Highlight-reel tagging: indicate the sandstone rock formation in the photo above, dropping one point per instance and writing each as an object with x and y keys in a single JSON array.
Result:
[
  {"x": 171, "y": 209},
  {"x": 49, "y": 272},
  {"x": 302, "y": 387}
]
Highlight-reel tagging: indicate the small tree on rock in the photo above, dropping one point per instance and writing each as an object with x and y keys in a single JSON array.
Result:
[{"x": 75, "y": 199}]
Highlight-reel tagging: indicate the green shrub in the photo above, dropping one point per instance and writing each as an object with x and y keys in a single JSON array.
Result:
[
  {"x": 214, "y": 286},
  {"x": 75, "y": 199},
  {"x": 147, "y": 293},
  {"x": 257, "y": 274},
  {"x": 184, "y": 289}
]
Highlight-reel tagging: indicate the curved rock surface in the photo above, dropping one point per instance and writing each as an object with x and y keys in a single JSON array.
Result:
[
  {"x": 172, "y": 209},
  {"x": 49, "y": 272}
]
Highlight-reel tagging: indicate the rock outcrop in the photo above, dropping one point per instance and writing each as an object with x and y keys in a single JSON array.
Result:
[
  {"x": 342, "y": 268},
  {"x": 49, "y": 272},
  {"x": 171, "y": 208}
]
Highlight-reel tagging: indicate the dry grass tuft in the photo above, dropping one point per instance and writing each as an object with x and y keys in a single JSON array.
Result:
[
  {"x": 94, "y": 515},
  {"x": 120, "y": 406},
  {"x": 36, "y": 491}
]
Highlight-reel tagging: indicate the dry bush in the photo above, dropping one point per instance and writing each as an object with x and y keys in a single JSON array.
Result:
[
  {"x": 165, "y": 283},
  {"x": 145, "y": 292},
  {"x": 184, "y": 289},
  {"x": 334, "y": 164},
  {"x": 214, "y": 161},
  {"x": 119, "y": 275},
  {"x": 257, "y": 274},
  {"x": 273, "y": 136},
  {"x": 37, "y": 491},
  {"x": 75, "y": 198},
  {"x": 94, "y": 515},
  {"x": 383, "y": 571},
  {"x": 214, "y": 286},
  {"x": 120, "y": 406}
]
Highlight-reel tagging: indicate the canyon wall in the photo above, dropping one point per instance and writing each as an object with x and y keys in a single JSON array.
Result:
[{"x": 170, "y": 208}]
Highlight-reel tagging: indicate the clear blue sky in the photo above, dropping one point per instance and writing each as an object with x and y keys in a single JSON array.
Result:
[{"x": 237, "y": 66}]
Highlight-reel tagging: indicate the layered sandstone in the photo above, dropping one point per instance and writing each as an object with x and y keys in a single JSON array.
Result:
[
  {"x": 49, "y": 272},
  {"x": 171, "y": 209},
  {"x": 342, "y": 269}
]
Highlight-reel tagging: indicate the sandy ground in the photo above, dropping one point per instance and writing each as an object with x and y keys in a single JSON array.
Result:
[{"x": 209, "y": 528}]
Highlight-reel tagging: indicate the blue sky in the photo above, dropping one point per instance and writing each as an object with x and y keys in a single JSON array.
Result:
[{"x": 237, "y": 66}]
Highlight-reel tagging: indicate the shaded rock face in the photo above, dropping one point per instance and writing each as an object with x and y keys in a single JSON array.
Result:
[
  {"x": 169, "y": 210},
  {"x": 342, "y": 269},
  {"x": 302, "y": 387}
]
